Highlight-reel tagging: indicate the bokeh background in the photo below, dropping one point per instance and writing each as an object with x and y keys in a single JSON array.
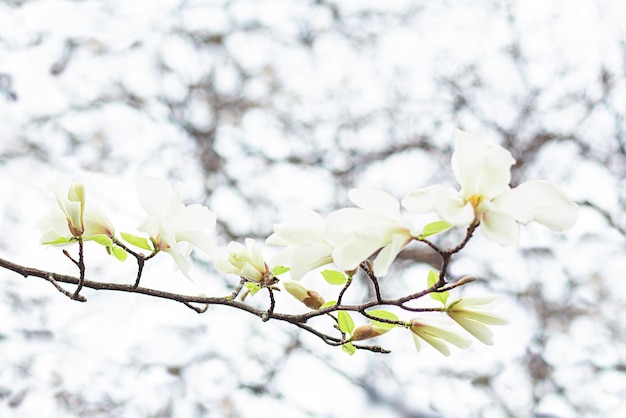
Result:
[{"x": 257, "y": 106}]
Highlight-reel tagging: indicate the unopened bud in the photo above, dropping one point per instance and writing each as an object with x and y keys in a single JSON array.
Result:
[
  {"x": 365, "y": 332},
  {"x": 352, "y": 272},
  {"x": 314, "y": 300},
  {"x": 465, "y": 280},
  {"x": 310, "y": 298}
]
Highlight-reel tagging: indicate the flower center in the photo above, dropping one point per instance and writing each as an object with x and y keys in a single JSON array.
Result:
[{"x": 476, "y": 200}]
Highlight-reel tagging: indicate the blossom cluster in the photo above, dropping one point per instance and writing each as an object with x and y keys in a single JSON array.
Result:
[
  {"x": 347, "y": 237},
  {"x": 171, "y": 226}
]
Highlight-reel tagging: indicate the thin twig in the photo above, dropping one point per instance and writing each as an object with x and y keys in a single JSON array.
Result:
[
  {"x": 367, "y": 267},
  {"x": 270, "y": 310},
  {"x": 195, "y": 308},
  {"x": 343, "y": 290},
  {"x": 73, "y": 296},
  {"x": 235, "y": 293},
  {"x": 81, "y": 267}
]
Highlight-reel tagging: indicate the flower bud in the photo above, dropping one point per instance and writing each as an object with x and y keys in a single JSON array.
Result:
[
  {"x": 310, "y": 298},
  {"x": 365, "y": 332},
  {"x": 351, "y": 273}
]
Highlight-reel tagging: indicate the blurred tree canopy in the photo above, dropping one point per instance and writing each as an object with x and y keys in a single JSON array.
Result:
[{"x": 258, "y": 106}]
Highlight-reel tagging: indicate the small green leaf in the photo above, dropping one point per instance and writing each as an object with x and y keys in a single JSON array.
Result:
[
  {"x": 346, "y": 324},
  {"x": 253, "y": 288},
  {"x": 334, "y": 277},
  {"x": 277, "y": 270},
  {"x": 442, "y": 297},
  {"x": 435, "y": 228},
  {"x": 140, "y": 242},
  {"x": 329, "y": 303},
  {"x": 60, "y": 241},
  {"x": 379, "y": 313},
  {"x": 433, "y": 278},
  {"x": 348, "y": 348},
  {"x": 101, "y": 239},
  {"x": 119, "y": 253}
]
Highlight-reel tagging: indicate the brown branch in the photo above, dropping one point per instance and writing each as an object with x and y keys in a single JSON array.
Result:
[{"x": 298, "y": 320}]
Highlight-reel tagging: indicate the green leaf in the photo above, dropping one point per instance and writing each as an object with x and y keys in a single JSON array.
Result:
[
  {"x": 119, "y": 253},
  {"x": 442, "y": 297},
  {"x": 60, "y": 241},
  {"x": 435, "y": 228},
  {"x": 329, "y": 303},
  {"x": 101, "y": 239},
  {"x": 348, "y": 348},
  {"x": 253, "y": 288},
  {"x": 277, "y": 270},
  {"x": 334, "y": 277},
  {"x": 140, "y": 242},
  {"x": 346, "y": 324},
  {"x": 379, "y": 313}
]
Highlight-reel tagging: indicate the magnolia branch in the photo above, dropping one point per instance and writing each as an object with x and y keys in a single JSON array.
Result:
[{"x": 201, "y": 303}]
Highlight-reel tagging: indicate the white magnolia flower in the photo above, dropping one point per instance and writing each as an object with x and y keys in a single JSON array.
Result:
[
  {"x": 472, "y": 314},
  {"x": 357, "y": 233},
  {"x": 71, "y": 200},
  {"x": 306, "y": 246},
  {"x": 76, "y": 218},
  {"x": 174, "y": 227},
  {"x": 436, "y": 335},
  {"x": 484, "y": 173},
  {"x": 245, "y": 261}
]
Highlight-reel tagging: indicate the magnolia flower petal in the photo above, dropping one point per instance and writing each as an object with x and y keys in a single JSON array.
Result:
[
  {"x": 150, "y": 226},
  {"x": 303, "y": 237},
  {"x": 416, "y": 341},
  {"x": 449, "y": 336},
  {"x": 223, "y": 265},
  {"x": 166, "y": 236},
  {"x": 452, "y": 208},
  {"x": 284, "y": 257},
  {"x": 286, "y": 234},
  {"x": 193, "y": 217},
  {"x": 198, "y": 239},
  {"x": 483, "y": 317},
  {"x": 303, "y": 225},
  {"x": 540, "y": 201},
  {"x": 182, "y": 261},
  {"x": 154, "y": 194},
  {"x": 70, "y": 197},
  {"x": 478, "y": 330},
  {"x": 96, "y": 222},
  {"x": 480, "y": 168},
  {"x": 235, "y": 247},
  {"x": 421, "y": 200},
  {"x": 348, "y": 256},
  {"x": 375, "y": 201},
  {"x": 341, "y": 225},
  {"x": 308, "y": 257},
  {"x": 388, "y": 254},
  {"x": 255, "y": 254},
  {"x": 500, "y": 227},
  {"x": 54, "y": 227},
  {"x": 251, "y": 272},
  {"x": 436, "y": 343},
  {"x": 435, "y": 336},
  {"x": 471, "y": 301}
]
